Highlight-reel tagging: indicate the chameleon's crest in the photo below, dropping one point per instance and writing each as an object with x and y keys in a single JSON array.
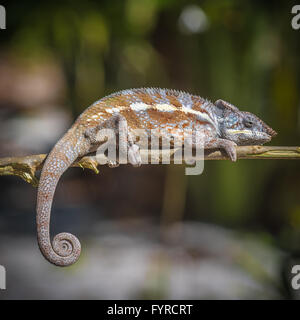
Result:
[{"x": 221, "y": 104}]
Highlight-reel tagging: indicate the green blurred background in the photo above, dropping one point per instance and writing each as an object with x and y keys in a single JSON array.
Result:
[{"x": 56, "y": 58}]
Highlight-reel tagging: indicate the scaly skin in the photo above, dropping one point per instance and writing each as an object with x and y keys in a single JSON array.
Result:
[
  {"x": 66, "y": 247},
  {"x": 170, "y": 112}
]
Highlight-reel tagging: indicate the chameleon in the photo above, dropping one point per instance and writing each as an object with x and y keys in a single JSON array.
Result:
[{"x": 169, "y": 111}]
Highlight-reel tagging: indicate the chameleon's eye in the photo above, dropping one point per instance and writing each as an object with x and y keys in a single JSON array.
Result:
[{"x": 248, "y": 123}]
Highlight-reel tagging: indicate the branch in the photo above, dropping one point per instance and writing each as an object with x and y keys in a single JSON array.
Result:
[{"x": 26, "y": 167}]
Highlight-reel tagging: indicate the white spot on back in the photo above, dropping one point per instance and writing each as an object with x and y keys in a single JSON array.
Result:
[
  {"x": 113, "y": 110},
  {"x": 165, "y": 107},
  {"x": 139, "y": 106}
]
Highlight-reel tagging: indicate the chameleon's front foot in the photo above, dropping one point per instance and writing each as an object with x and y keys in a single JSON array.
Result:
[
  {"x": 230, "y": 148},
  {"x": 228, "y": 145}
]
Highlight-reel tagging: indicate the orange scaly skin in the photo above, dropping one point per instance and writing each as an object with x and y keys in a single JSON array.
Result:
[{"x": 170, "y": 112}]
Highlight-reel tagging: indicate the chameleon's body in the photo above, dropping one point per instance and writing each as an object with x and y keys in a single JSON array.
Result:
[{"x": 169, "y": 112}]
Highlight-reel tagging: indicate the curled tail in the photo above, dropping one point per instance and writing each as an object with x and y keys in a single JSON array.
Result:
[{"x": 65, "y": 248}]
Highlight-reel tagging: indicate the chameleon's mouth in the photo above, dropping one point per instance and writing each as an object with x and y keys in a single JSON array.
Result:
[
  {"x": 271, "y": 132},
  {"x": 268, "y": 130},
  {"x": 249, "y": 137}
]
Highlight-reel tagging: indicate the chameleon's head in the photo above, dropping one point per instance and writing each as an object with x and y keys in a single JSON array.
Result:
[{"x": 244, "y": 128}]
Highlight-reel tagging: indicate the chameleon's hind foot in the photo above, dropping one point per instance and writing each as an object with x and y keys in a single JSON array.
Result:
[
  {"x": 134, "y": 156},
  {"x": 112, "y": 163}
]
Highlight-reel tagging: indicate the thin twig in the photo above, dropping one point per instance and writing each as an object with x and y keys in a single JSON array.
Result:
[{"x": 26, "y": 167}]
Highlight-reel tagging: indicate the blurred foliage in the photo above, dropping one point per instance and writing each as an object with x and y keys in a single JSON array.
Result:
[{"x": 242, "y": 51}]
